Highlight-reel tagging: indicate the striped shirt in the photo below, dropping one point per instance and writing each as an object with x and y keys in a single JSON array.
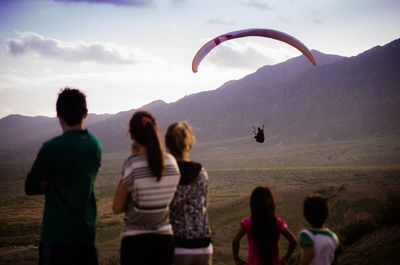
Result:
[{"x": 147, "y": 206}]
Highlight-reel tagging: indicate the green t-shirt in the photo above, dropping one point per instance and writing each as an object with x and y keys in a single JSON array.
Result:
[{"x": 69, "y": 164}]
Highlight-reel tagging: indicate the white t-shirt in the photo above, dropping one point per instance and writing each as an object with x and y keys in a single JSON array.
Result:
[{"x": 325, "y": 242}]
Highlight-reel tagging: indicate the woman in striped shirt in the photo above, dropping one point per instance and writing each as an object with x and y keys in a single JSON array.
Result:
[{"x": 147, "y": 186}]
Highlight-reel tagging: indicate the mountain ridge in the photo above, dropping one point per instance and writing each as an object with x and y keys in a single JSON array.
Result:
[{"x": 342, "y": 98}]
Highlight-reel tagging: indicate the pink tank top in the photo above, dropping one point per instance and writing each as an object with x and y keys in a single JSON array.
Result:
[{"x": 253, "y": 252}]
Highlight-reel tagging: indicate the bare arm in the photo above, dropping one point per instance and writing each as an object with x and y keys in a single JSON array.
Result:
[
  {"x": 236, "y": 245},
  {"x": 292, "y": 245},
  {"x": 120, "y": 198},
  {"x": 308, "y": 255}
]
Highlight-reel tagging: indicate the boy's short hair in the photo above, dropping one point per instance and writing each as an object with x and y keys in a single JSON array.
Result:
[
  {"x": 316, "y": 209},
  {"x": 71, "y": 106}
]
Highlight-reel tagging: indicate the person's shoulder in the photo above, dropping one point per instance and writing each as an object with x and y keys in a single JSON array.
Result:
[
  {"x": 135, "y": 158},
  {"x": 54, "y": 142},
  {"x": 305, "y": 231},
  {"x": 171, "y": 165},
  {"x": 329, "y": 230},
  {"x": 321, "y": 232},
  {"x": 203, "y": 173},
  {"x": 281, "y": 224},
  {"x": 169, "y": 158},
  {"x": 170, "y": 161},
  {"x": 278, "y": 219},
  {"x": 92, "y": 137},
  {"x": 333, "y": 235},
  {"x": 306, "y": 238},
  {"x": 246, "y": 221}
]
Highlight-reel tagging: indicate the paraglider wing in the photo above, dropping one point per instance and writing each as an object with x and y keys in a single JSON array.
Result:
[{"x": 268, "y": 33}]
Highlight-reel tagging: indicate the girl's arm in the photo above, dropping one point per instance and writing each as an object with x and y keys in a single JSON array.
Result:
[
  {"x": 308, "y": 255},
  {"x": 236, "y": 244},
  {"x": 120, "y": 198},
  {"x": 292, "y": 245}
]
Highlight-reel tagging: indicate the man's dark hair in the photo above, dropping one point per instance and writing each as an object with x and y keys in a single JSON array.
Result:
[
  {"x": 316, "y": 209},
  {"x": 71, "y": 106}
]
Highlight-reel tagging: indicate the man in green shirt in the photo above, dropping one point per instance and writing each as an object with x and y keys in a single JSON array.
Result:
[{"x": 64, "y": 171}]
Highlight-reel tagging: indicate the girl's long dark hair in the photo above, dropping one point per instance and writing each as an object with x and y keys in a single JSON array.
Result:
[
  {"x": 263, "y": 224},
  {"x": 144, "y": 129}
]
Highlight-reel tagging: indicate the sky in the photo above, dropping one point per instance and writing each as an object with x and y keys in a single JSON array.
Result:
[{"x": 124, "y": 54}]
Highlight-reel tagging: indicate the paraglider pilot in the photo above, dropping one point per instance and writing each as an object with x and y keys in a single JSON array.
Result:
[{"x": 259, "y": 134}]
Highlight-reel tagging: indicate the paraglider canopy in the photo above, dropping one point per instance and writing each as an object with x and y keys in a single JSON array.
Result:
[{"x": 268, "y": 33}]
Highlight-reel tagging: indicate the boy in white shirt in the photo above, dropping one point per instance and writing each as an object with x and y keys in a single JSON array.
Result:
[{"x": 320, "y": 245}]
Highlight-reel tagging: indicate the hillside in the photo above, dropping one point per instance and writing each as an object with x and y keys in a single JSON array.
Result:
[
  {"x": 342, "y": 99},
  {"x": 346, "y": 98}
]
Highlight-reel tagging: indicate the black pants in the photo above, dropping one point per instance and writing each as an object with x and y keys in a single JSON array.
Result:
[
  {"x": 54, "y": 254},
  {"x": 147, "y": 249}
]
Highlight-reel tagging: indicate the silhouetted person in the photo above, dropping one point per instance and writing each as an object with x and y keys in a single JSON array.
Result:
[
  {"x": 188, "y": 209},
  {"x": 147, "y": 186},
  {"x": 320, "y": 245},
  {"x": 263, "y": 229},
  {"x": 64, "y": 171},
  {"x": 259, "y": 135}
]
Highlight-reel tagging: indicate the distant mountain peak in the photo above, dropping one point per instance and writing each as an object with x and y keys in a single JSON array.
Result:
[
  {"x": 154, "y": 106},
  {"x": 341, "y": 98}
]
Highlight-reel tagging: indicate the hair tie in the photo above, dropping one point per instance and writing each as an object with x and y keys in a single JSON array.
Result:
[{"x": 145, "y": 120}]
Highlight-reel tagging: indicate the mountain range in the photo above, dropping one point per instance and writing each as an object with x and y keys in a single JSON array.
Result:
[{"x": 341, "y": 99}]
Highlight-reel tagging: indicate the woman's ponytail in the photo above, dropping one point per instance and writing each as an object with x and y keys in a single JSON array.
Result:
[{"x": 144, "y": 129}]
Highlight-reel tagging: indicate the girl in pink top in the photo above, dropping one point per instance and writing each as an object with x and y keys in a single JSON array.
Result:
[{"x": 263, "y": 230}]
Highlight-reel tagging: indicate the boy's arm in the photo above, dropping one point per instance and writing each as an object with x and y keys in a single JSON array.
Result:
[
  {"x": 236, "y": 245},
  {"x": 308, "y": 255},
  {"x": 307, "y": 243},
  {"x": 338, "y": 252},
  {"x": 35, "y": 182},
  {"x": 292, "y": 245}
]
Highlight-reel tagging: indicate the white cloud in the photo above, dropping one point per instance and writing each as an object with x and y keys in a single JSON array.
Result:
[
  {"x": 317, "y": 21},
  {"x": 30, "y": 43},
  {"x": 178, "y": 2},
  {"x": 259, "y": 4},
  {"x": 248, "y": 55},
  {"x": 221, "y": 21}
]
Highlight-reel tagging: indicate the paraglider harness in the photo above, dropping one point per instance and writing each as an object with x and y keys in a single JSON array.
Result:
[{"x": 259, "y": 134}]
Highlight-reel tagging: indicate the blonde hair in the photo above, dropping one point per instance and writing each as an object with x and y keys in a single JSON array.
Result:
[{"x": 179, "y": 139}]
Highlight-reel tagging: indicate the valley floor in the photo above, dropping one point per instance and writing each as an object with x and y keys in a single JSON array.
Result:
[{"x": 365, "y": 209}]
